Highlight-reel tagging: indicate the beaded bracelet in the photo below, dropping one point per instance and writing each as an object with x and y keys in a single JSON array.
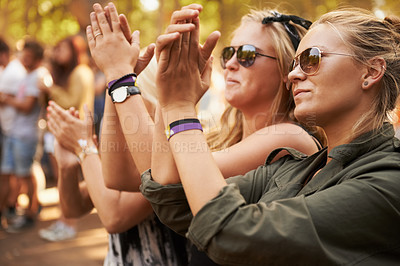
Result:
[{"x": 182, "y": 125}]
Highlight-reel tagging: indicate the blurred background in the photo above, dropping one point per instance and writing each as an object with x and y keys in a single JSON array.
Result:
[{"x": 51, "y": 20}]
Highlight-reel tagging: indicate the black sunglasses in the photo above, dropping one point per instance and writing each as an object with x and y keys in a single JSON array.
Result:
[{"x": 246, "y": 55}]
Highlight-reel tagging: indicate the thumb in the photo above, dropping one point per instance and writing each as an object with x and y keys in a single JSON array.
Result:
[
  {"x": 206, "y": 75},
  {"x": 145, "y": 59},
  {"x": 136, "y": 38},
  {"x": 210, "y": 44}
]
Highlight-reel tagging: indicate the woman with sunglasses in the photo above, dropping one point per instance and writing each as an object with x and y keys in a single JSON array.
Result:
[
  {"x": 255, "y": 69},
  {"x": 259, "y": 114},
  {"x": 340, "y": 205}
]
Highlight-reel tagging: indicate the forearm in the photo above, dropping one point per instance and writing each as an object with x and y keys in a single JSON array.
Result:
[
  {"x": 25, "y": 105},
  {"x": 137, "y": 127},
  {"x": 117, "y": 210},
  {"x": 199, "y": 174},
  {"x": 163, "y": 166},
  {"x": 73, "y": 201},
  {"x": 118, "y": 166}
]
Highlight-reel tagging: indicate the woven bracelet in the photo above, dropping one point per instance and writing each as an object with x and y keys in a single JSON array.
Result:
[
  {"x": 126, "y": 80},
  {"x": 182, "y": 125}
]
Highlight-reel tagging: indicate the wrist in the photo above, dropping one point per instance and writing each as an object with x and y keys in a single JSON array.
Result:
[
  {"x": 83, "y": 144},
  {"x": 116, "y": 73},
  {"x": 177, "y": 111},
  {"x": 90, "y": 149}
]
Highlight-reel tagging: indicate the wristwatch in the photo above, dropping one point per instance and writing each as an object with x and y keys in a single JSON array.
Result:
[{"x": 120, "y": 94}]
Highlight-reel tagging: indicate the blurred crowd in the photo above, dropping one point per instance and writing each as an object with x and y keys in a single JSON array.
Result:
[{"x": 29, "y": 78}]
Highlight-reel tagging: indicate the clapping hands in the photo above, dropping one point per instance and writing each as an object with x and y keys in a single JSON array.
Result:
[
  {"x": 184, "y": 66},
  {"x": 113, "y": 47}
]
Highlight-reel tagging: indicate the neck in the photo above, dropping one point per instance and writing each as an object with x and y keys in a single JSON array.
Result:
[{"x": 344, "y": 135}]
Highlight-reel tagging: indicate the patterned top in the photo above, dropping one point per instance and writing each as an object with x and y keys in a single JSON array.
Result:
[{"x": 149, "y": 243}]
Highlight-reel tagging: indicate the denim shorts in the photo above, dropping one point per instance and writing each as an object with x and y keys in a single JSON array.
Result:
[{"x": 17, "y": 156}]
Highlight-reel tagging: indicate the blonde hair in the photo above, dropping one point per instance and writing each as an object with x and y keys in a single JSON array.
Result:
[
  {"x": 231, "y": 129},
  {"x": 368, "y": 37}
]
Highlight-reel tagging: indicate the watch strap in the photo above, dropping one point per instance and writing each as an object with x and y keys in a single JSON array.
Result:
[
  {"x": 130, "y": 90},
  {"x": 133, "y": 90}
]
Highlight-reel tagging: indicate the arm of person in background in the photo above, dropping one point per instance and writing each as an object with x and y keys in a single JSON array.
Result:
[
  {"x": 116, "y": 53},
  {"x": 74, "y": 197},
  {"x": 24, "y": 105},
  {"x": 118, "y": 211}
]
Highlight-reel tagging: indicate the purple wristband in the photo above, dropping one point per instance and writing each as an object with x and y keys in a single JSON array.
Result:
[
  {"x": 183, "y": 127},
  {"x": 124, "y": 80}
]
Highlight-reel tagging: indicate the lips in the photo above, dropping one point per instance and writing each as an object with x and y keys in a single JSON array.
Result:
[
  {"x": 230, "y": 80},
  {"x": 298, "y": 91}
]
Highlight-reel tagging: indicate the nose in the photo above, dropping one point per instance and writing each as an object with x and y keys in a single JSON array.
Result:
[
  {"x": 232, "y": 63},
  {"x": 295, "y": 76}
]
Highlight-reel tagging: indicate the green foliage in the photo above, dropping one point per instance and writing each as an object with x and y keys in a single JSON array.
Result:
[{"x": 51, "y": 20}]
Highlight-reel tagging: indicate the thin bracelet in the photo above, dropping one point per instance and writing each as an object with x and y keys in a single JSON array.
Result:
[
  {"x": 128, "y": 78},
  {"x": 182, "y": 125}
]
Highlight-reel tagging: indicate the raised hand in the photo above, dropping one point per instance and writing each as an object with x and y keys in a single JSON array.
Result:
[
  {"x": 183, "y": 73},
  {"x": 114, "y": 50}
]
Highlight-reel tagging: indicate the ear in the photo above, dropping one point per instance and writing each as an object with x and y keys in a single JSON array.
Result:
[{"x": 374, "y": 72}]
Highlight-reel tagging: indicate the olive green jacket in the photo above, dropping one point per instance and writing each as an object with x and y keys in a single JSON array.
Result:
[{"x": 347, "y": 214}]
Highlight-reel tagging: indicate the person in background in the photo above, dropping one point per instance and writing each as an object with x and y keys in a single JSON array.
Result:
[
  {"x": 100, "y": 86},
  {"x": 4, "y": 183},
  {"x": 339, "y": 206},
  {"x": 21, "y": 139},
  {"x": 72, "y": 86},
  {"x": 4, "y": 54},
  {"x": 11, "y": 75}
]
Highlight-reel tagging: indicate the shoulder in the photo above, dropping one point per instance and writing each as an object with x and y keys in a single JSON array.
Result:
[
  {"x": 282, "y": 129},
  {"x": 286, "y": 135}
]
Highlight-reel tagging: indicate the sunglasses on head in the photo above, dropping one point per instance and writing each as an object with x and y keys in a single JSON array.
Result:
[
  {"x": 310, "y": 60},
  {"x": 245, "y": 55}
]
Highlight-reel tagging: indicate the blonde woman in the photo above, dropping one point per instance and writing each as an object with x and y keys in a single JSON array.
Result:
[
  {"x": 255, "y": 68},
  {"x": 337, "y": 206}
]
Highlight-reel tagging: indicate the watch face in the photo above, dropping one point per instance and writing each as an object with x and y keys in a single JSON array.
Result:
[{"x": 119, "y": 95}]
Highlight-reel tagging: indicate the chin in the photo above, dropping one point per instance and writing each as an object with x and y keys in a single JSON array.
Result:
[{"x": 307, "y": 116}]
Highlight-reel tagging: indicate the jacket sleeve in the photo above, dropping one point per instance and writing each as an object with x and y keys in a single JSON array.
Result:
[
  {"x": 347, "y": 223},
  {"x": 170, "y": 204}
]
